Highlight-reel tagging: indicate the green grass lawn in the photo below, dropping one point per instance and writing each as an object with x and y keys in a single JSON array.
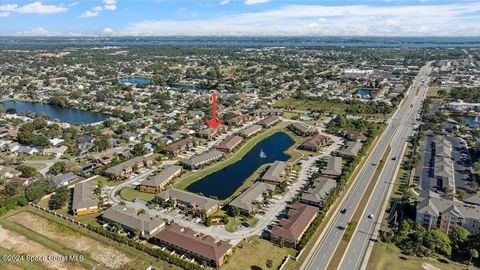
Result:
[
  {"x": 254, "y": 252},
  {"x": 131, "y": 194},
  {"x": 105, "y": 181},
  {"x": 37, "y": 166},
  {"x": 388, "y": 256},
  {"x": 308, "y": 105},
  {"x": 236, "y": 221}
]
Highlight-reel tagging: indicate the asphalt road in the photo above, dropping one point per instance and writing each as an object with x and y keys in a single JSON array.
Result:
[{"x": 399, "y": 128}]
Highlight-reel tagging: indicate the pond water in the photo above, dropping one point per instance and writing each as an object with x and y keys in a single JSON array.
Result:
[
  {"x": 365, "y": 93},
  {"x": 69, "y": 115},
  {"x": 225, "y": 182},
  {"x": 472, "y": 121},
  {"x": 134, "y": 80}
]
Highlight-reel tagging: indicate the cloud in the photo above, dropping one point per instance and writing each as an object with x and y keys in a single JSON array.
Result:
[
  {"x": 110, "y": 5},
  {"x": 4, "y": 14},
  {"x": 255, "y": 2},
  {"x": 38, "y": 7},
  {"x": 35, "y": 7},
  {"x": 108, "y": 31},
  {"x": 408, "y": 20},
  {"x": 39, "y": 31},
  {"x": 8, "y": 7},
  {"x": 224, "y": 2},
  {"x": 89, "y": 14}
]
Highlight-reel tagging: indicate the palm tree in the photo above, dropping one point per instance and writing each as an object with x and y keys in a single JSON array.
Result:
[{"x": 473, "y": 254}]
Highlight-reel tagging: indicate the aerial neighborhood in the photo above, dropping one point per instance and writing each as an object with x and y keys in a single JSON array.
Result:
[{"x": 112, "y": 144}]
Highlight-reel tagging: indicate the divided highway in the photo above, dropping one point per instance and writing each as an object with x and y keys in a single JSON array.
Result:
[{"x": 400, "y": 127}]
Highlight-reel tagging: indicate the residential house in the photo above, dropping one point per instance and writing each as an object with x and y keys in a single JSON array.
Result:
[
  {"x": 352, "y": 150},
  {"x": 352, "y": 135},
  {"x": 276, "y": 173},
  {"x": 333, "y": 167},
  {"x": 159, "y": 181},
  {"x": 197, "y": 161},
  {"x": 179, "y": 146},
  {"x": 290, "y": 230},
  {"x": 301, "y": 129},
  {"x": 184, "y": 199},
  {"x": 230, "y": 143},
  {"x": 315, "y": 143},
  {"x": 126, "y": 168},
  {"x": 320, "y": 190},
  {"x": 247, "y": 201},
  {"x": 269, "y": 121},
  {"x": 250, "y": 130},
  {"x": 187, "y": 242},
  {"x": 64, "y": 179},
  {"x": 84, "y": 200},
  {"x": 132, "y": 222}
]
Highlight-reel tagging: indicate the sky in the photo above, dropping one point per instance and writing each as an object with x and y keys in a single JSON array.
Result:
[{"x": 240, "y": 17}]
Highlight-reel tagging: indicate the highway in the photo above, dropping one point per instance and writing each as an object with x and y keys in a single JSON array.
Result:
[{"x": 399, "y": 128}]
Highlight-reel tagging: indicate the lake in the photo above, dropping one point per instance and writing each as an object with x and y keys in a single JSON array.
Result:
[
  {"x": 472, "y": 121},
  {"x": 225, "y": 182},
  {"x": 69, "y": 115},
  {"x": 134, "y": 80}
]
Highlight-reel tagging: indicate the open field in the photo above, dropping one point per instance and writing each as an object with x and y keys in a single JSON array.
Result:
[
  {"x": 387, "y": 256},
  {"x": 254, "y": 252},
  {"x": 309, "y": 105},
  {"x": 99, "y": 252},
  {"x": 131, "y": 194},
  {"x": 15, "y": 243},
  {"x": 63, "y": 236}
]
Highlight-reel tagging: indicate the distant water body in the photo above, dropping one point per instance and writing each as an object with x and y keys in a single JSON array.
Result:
[{"x": 397, "y": 42}]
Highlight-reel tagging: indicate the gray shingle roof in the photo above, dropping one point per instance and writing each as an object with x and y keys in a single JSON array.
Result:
[
  {"x": 275, "y": 172},
  {"x": 129, "y": 218},
  {"x": 200, "y": 202},
  {"x": 162, "y": 176},
  {"x": 83, "y": 196},
  {"x": 245, "y": 200}
]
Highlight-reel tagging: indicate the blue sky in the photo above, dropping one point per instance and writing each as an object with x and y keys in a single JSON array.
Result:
[{"x": 240, "y": 17}]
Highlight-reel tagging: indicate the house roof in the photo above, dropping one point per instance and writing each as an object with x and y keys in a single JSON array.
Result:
[
  {"x": 230, "y": 142},
  {"x": 275, "y": 172},
  {"x": 253, "y": 193},
  {"x": 195, "y": 160},
  {"x": 299, "y": 217},
  {"x": 320, "y": 189},
  {"x": 188, "y": 239},
  {"x": 129, "y": 218},
  {"x": 434, "y": 205},
  {"x": 443, "y": 148},
  {"x": 177, "y": 145},
  {"x": 126, "y": 165},
  {"x": 302, "y": 127},
  {"x": 64, "y": 178},
  {"x": 251, "y": 129},
  {"x": 334, "y": 166},
  {"x": 162, "y": 176},
  {"x": 268, "y": 120},
  {"x": 200, "y": 202},
  {"x": 315, "y": 141},
  {"x": 352, "y": 149},
  {"x": 83, "y": 196}
]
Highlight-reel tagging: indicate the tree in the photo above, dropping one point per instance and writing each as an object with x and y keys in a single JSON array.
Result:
[
  {"x": 59, "y": 199},
  {"x": 234, "y": 211},
  {"x": 473, "y": 254},
  {"x": 458, "y": 236},
  {"x": 269, "y": 263},
  {"x": 139, "y": 149},
  {"x": 58, "y": 168},
  {"x": 26, "y": 171}
]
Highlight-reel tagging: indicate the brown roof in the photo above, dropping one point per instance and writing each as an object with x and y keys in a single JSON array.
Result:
[
  {"x": 187, "y": 239},
  {"x": 267, "y": 121},
  {"x": 315, "y": 141},
  {"x": 299, "y": 217},
  {"x": 353, "y": 135},
  {"x": 177, "y": 145},
  {"x": 230, "y": 142}
]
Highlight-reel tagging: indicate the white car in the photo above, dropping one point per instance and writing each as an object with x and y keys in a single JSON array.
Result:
[{"x": 370, "y": 216}]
